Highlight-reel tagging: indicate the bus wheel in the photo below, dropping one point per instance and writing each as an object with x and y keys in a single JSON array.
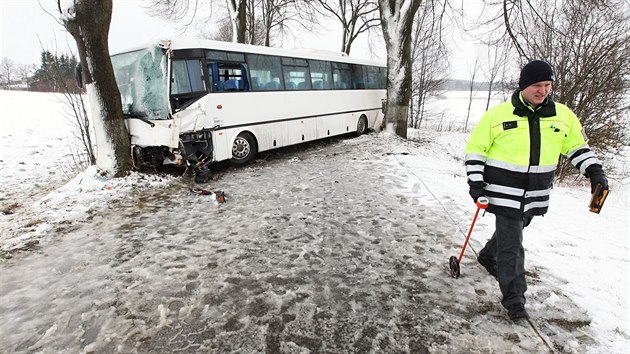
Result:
[
  {"x": 362, "y": 126},
  {"x": 244, "y": 148}
]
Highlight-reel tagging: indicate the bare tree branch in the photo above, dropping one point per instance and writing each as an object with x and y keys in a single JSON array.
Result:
[{"x": 355, "y": 17}]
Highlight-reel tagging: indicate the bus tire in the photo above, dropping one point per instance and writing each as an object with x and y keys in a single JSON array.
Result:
[
  {"x": 244, "y": 148},
  {"x": 362, "y": 126}
]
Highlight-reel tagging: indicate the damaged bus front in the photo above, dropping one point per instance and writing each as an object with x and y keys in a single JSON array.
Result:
[{"x": 153, "y": 125}]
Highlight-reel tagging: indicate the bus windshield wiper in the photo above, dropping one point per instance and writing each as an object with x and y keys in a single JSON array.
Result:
[{"x": 140, "y": 117}]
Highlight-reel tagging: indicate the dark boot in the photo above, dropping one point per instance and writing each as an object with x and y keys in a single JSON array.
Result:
[{"x": 517, "y": 311}]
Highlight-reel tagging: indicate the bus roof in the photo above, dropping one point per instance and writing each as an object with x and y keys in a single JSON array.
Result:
[{"x": 193, "y": 43}]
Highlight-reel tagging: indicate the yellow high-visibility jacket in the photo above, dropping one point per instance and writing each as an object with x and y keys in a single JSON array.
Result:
[{"x": 514, "y": 150}]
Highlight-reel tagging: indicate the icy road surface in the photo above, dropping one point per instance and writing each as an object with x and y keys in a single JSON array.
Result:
[{"x": 332, "y": 247}]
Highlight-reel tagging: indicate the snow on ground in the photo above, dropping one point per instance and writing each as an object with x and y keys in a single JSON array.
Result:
[
  {"x": 335, "y": 246},
  {"x": 35, "y": 138}
]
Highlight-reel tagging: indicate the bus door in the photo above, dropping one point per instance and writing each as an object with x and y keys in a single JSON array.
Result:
[{"x": 188, "y": 79}]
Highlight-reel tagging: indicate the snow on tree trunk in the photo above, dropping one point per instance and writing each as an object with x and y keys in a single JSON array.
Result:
[
  {"x": 231, "y": 5},
  {"x": 88, "y": 22},
  {"x": 344, "y": 41},
  {"x": 237, "y": 10},
  {"x": 105, "y": 151},
  {"x": 397, "y": 22}
]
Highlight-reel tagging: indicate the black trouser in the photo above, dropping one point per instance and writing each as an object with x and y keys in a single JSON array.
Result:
[{"x": 505, "y": 249}]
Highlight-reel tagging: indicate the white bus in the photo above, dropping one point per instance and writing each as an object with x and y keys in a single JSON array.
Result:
[{"x": 203, "y": 101}]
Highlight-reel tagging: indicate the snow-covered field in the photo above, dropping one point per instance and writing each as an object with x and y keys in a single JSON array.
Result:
[{"x": 336, "y": 246}]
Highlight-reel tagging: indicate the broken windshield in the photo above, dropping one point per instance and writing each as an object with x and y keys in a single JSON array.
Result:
[{"x": 141, "y": 78}]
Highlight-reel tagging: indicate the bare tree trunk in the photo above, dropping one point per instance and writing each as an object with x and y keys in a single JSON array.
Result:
[
  {"x": 88, "y": 22},
  {"x": 471, "y": 90},
  {"x": 411, "y": 111},
  {"x": 490, "y": 86},
  {"x": 429, "y": 67},
  {"x": 251, "y": 22},
  {"x": 242, "y": 21},
  {"x": 397, "y": 19},
  {"x": 237, "y": 10},
  {"x": 497, "y": 56},
  {"x": 422, "y": 111}
]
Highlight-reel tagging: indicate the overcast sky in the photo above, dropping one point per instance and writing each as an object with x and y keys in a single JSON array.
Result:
[
  {"x": 130, "y": 26},
  {"x": 26, "y": 28}
]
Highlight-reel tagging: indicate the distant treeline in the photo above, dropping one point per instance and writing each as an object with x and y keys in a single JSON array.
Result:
[
  {"x": 464, "y": 85},
  {"x": 55, "y": 74}
]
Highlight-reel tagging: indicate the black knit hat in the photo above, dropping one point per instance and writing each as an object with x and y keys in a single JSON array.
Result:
[{"x": 534, "y": 72}]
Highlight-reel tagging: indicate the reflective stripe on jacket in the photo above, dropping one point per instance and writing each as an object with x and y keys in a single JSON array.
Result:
[{"x": 513, "y": 153}]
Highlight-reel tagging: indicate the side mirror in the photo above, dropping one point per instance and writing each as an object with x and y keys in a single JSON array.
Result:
[{"x": 78, "y": 75}]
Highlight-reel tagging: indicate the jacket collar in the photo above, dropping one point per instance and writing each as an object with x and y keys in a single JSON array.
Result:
[{"x": 522, "y": 109}]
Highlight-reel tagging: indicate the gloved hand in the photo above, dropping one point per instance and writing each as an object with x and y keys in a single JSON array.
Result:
[
  {"x": 596, "y": 175},
  {"x": 476, "y": 192},
  {"x": 598, "y": 178}
]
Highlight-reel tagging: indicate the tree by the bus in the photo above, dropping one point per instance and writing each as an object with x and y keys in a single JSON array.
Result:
[
  {"x": 397, "y": 19},
  {"x": 88, "y": 22}
]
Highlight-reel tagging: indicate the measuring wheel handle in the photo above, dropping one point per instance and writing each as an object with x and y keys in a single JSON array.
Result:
[
  {"x": 453, "y": 262},
  {"x": 482, "y": 202}
]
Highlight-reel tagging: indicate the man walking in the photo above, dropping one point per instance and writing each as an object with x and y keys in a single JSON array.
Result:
[{"x": 511, "y": 158}]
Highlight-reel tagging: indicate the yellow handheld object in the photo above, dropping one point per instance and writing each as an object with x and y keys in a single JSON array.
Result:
[{"x": 597, "y": 199}]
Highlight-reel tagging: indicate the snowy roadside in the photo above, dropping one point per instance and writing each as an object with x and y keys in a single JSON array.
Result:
[
  {"x": 74, "y": 202},
  {"x": 34, "y": 143},
  {"x": 586, "y": 255}
]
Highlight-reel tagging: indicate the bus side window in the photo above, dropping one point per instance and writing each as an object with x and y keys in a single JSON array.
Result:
[
  {"x": 272, "y": 85},
  {"x": 358, "y": 79},
  {"x": 266, "y": 71},
  {"x": 320, "y": 74},
  {"x": 342, "y": 77},
  {"x": 255, "y": 85},
  {"x": 296, "y": 71},
  {"x": 374, "y": 79},
  {"x": 228, "y": 76},
  {"x": 243, "y": 82}
]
